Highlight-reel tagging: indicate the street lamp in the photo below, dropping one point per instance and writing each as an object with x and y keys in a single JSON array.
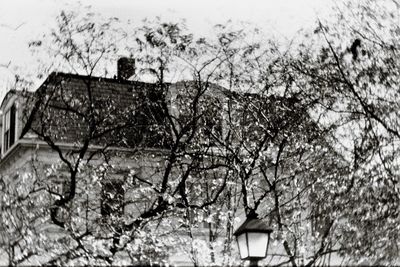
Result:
[{"x": 253, "y": 239}]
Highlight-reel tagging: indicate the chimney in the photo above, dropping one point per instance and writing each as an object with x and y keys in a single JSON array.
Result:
[{"x": 126, "y": 68}]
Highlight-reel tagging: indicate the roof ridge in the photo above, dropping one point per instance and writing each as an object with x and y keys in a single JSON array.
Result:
[{"x": 92, "y": 77}]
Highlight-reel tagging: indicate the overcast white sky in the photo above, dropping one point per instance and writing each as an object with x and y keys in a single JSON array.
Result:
[{"x": 24, "y": 20}]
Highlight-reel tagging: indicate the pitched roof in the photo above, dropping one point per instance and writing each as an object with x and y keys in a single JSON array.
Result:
[{"x": 72, "y": 108}]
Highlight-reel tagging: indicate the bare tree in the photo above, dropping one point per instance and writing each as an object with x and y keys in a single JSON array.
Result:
[{"x": 296, "y": 136}]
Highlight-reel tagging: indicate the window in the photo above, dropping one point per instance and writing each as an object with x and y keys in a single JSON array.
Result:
[
  {"x": 9, "y": 128},
  {"x": 320, "y": 215},
  {"x": 198, "y": 218},
  {"x": 319, "y": 224},
  {"x": 112, "y": 198},
  {"x": 60, "y": 184}
]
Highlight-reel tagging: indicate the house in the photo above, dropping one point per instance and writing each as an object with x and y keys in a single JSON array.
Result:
[
  {"x": 103, "y": 156},
  {"x": 115, "y": 127}
]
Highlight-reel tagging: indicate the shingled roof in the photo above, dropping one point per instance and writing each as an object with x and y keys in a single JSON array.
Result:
[{"x": 72, "y": 108}]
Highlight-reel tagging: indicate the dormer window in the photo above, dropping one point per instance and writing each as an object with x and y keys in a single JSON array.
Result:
[{"x": 9, "y": 128}]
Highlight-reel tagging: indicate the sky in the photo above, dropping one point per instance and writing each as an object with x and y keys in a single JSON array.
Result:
[{"x": 25, "y": 20}]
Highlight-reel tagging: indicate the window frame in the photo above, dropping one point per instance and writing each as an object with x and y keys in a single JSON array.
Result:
[
  {"x": 107, "y": 205},
  {"x": 10, "y": 124}
]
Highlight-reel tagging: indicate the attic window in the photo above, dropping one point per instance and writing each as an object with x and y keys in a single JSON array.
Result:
[{"x": 9, "y": 128}]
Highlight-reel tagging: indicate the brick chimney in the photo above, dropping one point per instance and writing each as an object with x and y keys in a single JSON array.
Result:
[{"x": 126, "y": 68}]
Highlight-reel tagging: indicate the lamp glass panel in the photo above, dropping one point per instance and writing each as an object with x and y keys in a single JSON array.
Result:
[
  {"x": 242, "y": 243},
  {"x": 258, "y": 244}
]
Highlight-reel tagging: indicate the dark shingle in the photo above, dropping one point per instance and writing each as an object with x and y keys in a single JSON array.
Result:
[{"x": 60, "y": 109}]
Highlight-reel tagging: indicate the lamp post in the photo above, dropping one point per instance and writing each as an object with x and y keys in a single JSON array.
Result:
[{"x": 253, "y": 239}]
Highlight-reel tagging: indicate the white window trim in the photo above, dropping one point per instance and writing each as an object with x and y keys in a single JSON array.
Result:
[{"x": 4, "y": 114}]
